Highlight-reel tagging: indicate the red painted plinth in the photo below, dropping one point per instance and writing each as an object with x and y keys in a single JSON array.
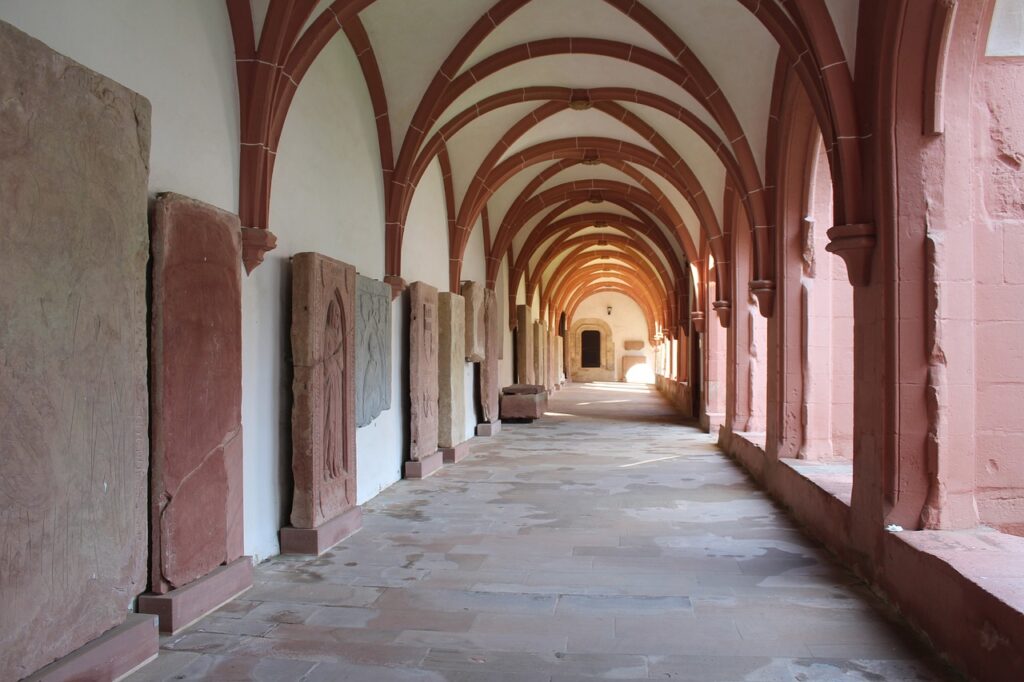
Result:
[
  {"x": 320, "y": 539},
  {"x": 112, "y": 656},
  {"x": 181, "y": 607},
  {"x": 453, "y": 455},
  {"x": 489, "y": 429},
  {"x": 425, "y": 466}
]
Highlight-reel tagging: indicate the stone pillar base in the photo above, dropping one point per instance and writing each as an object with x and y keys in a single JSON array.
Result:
[
  {"x": 489, "y": 428},
  {"x": 425, "y": 466},
  {"x": 114, "y": 655},
  {"x": 318, "y": 540},
  {"x": 455, "y": 454},
  {"x": 184, "y": 606}
]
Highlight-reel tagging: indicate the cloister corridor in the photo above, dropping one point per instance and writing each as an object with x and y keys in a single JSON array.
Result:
[{"x": 609, "y": 540}]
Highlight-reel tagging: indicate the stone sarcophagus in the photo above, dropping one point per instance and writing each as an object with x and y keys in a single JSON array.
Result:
[
  {"x": 490, "y": 387},
  {"x": 451, "y": 382},
  {"x": 373, "y": 349},
  {"x": 476, "y": 332},
  {"x": 74, "y": 409},
  {"x": 424, "y": 457},
  {"x": 523, "y": 402},
  {"x": 196, "y": 369}
]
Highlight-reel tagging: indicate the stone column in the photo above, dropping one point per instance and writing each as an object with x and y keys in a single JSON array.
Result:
[
  {"x": 424, "y": 457},
  {"x": 451, "y": 396},
  {"x": 324, "y": 510}
]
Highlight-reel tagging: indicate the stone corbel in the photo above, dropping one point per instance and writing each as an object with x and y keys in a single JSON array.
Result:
[
  {"x": 764, "y": 291},
  {"x": 398, "y": 285},
  {"x": 699, "y": 323},
  {"x": 855, "y": 244},
  {"x": 255, "y": 244},
  {"x": 724, "y": 310}
]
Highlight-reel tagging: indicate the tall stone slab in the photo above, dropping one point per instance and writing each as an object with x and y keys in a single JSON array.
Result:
[
  {"x": 539, "y": 368},
  {"x": 560, "y": 346},
  {"x": 490, "y": 384},
  {"x": 476, "y": 330},
  {"x": 423, "y": 346},
  {"x": 323, "y": 389},
  {"x": 451, "y": 381},
  {"x": 373, "y": 349},
  {"x": 196, "y": 368},
  {"x": 524, "y": 344},
  {"x": 74, "y": 410}
]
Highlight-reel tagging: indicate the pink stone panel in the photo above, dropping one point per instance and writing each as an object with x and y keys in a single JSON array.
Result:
[
  {"x": 490, "y": 386},
  {"x": 196, "y": 368},
  {"x": 323, "y": 389},
  {"x": 476, "y": 323},
  {"x": 998, "y": 240},
  {"x": 423, "y": 361},
  {"x": 74, "y": 409}
]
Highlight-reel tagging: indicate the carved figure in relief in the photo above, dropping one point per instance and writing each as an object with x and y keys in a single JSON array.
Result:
[{"x": 334, "y": 400}]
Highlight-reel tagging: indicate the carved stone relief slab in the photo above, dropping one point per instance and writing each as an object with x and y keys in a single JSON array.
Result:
[
  {"x": 196, "y": 365},
  {"x": 451, "y": 377},
  {"x": 373, "y": 349},
  {"x": 476, "y": 332},
  {"x": 423, "y": 339},
  {"x": 74, "y": 409},
  {"x": 633, "y": 344},
  {"x": 490, "y": 386},
  {"x": 323, "y": 388}
]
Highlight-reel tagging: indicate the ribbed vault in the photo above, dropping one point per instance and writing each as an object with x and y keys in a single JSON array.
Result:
[{"x": 598, "y": 144}]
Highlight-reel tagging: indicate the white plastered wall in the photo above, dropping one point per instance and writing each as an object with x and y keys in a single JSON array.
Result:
[
  {"x": 327, "y": 197},
  {"x": 627, "y": 322}
]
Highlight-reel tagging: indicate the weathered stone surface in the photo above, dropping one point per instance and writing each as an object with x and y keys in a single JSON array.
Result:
[
  {"x": 451, "y": 381},
  {"x": 196, "y": 366},
  {"x": 524, "y": 344},
  {"x": 422, "y": 371},
  {"x": 560, "y": 345},
  {"x": 522, "y": 389},
  {"x": 490, "y": 386},
  {"x": 633, "y": 345},
  {"x": 373, "y": 349},
  {"x": 74, "y": 149},
  {"x": 323, "y": 387},
  {"x": 524, "y": 405},
  {"x": 539, "y": 353},
  {"x": 476, "y": 329},
  {"x": 631, "y": 361}
]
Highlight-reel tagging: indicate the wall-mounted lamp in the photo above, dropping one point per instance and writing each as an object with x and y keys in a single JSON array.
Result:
[{"x": 609, "y": 310}]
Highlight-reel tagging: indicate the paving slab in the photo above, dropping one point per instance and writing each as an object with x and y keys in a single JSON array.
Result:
[{"x": 614, "y": 542}]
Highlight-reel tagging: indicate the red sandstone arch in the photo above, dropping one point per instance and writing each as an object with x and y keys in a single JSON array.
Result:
[
  {"x": 564, "y": 290},
  {"x": 601, "y": 287},
  {"x": 598, "y": 190},
  {"x": 602, "y": 260},
  {"x": 673, "y": 170}
]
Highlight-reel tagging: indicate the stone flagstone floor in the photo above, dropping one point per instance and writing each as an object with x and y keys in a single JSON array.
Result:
[{"x": 606, "y": 541}]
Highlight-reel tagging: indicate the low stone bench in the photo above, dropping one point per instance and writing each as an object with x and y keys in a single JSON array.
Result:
[{"x": 523, "y": 402}]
